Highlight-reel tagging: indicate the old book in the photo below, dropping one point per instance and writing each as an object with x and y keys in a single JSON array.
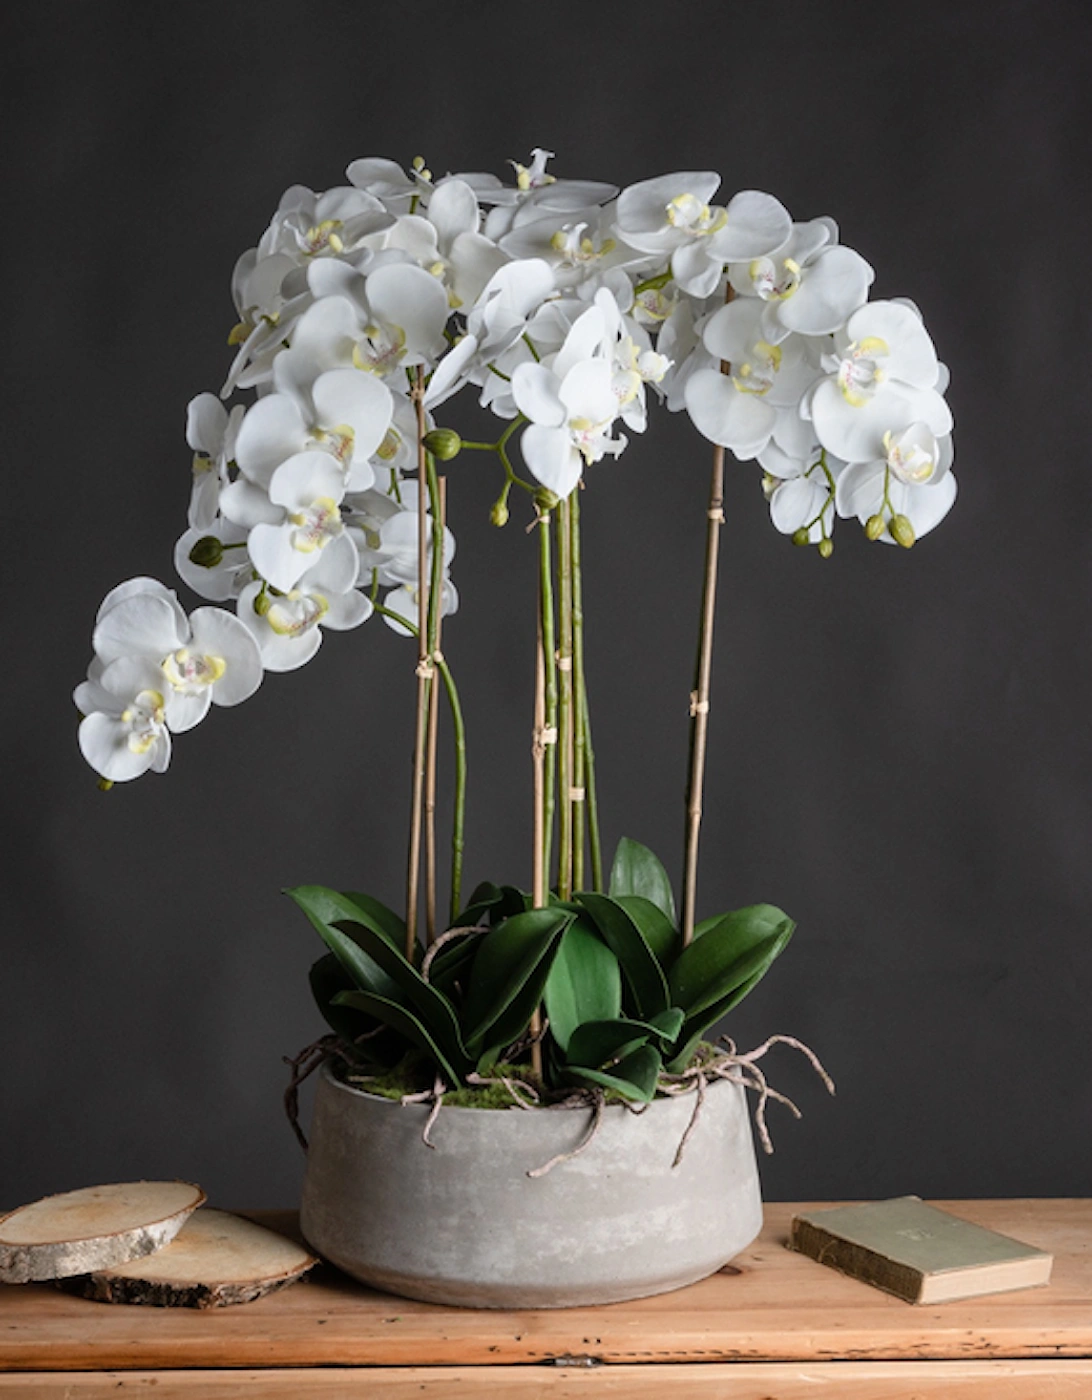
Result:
[{"x": 916, "y": 1251}]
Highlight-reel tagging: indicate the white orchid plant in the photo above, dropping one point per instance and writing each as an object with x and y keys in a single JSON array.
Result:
[{"x": 317, "y": 502}]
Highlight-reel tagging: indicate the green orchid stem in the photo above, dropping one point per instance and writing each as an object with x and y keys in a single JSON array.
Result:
[
  {"x": 595, "y": 847},
  {"x": 436, "y": 498},
  {"x": 420, "y": 742},
  {"x": 500, "y": 447},
  {"x": 565, "y": 726},
  {"x": 549, "y": 739},
  {"x": 458, "y": 725},
  {"x": 513, "y": 479}
]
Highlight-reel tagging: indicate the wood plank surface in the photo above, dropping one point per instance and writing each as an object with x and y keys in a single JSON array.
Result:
[
  {"x": 834, "y": 1380},
  {"x": 780, "y": 1306}
]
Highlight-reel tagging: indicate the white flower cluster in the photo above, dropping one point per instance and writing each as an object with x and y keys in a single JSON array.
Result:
[{"x": 562, "y": 302}]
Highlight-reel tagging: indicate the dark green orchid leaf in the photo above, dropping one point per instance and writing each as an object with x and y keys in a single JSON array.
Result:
[
  {"x": 738, "y": 980},
  {"x": 634, "y": 1077},
  {"x": 428, "y": 1003},
  {"x": 401, "y": 1019},
  {"x": 669, "y": 1023},
  {"x": 385, "y": 921},
  {"x": 328, "y": 978},
  {"x": 452, "y": 963},
  {"x": 508, "y": 976},
  {"x": 721, "y": 960},
  {"x": 324, "y": 907},
  {"x": 706, "y": 924},
  {"x": 595, "y": 1044},
  {"x": 493, "y": 903},
  {"x": 585, "y": 982},
  {"x": 637, "y": 871},
  {"x": 659, "y": 932},
  {"x": 626, "y": 941}
]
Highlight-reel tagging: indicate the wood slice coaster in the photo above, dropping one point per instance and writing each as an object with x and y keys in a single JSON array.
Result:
[
  {"x": 216, "y": 1260},
  {"x": 93, "y": 1228}
]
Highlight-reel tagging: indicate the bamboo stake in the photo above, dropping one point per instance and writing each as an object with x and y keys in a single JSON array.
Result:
[
  {"x": 424, "y": 674},
  {"x": 699, "y": 696},
  {"x": 437, "y": 489},
  {"x": 546, "y": 620}
]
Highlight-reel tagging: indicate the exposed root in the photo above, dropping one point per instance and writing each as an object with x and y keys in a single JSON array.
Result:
[
  {"x": 303, "y": 1065},
  {"x": 597, "y": 1099},
  {"x": 744, "y": 1070}
]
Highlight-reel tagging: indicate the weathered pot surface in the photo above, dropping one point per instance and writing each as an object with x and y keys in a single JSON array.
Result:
[{"x": 465, "y": 1225}]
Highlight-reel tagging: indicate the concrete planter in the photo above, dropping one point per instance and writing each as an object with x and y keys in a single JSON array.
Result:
[{"x": 464, "y": 1225}]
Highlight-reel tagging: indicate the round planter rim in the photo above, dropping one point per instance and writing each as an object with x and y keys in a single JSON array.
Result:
[{"x": 328, "y": 1072}]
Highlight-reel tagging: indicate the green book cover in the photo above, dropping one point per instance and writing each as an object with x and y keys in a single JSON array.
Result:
[{"x": 916, "y": 1251}]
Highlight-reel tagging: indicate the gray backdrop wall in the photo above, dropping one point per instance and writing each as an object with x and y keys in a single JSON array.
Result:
[{"x": 901, "y": 742}]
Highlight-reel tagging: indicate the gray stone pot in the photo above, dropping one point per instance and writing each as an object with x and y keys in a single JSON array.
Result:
[{"x": 464, "y": 1225}]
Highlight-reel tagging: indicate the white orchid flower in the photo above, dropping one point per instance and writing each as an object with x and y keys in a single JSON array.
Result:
[
  {"x": 270, "y": 295},
  {"x": 400, "y": 312},
  {"x": 287, "y": 627},
  {"x": 206, "y": 658},
  {"x": 124, "y": 729},
  {"x": 671, "y": 215},
  {"x": 211, "y": 432},
  {"x": 801, "y": 489},
  {"x": 571, "y": 405},
  {"x": 811, "y": 284},
  {"x": 634, "y": 363},
  {"x": 885, "y": 375},
  {"x": 345, "y": 414},
  {"x": 579, "y": 246},
  {"x": 335, "y": 223},
  {"x": 510, "y": 298},
  {"x": 913, "y": 480},
  {"x": 309, "y": 488},
  {"x": 738, "y": 409},
  {"x": 447, "y": 244}
]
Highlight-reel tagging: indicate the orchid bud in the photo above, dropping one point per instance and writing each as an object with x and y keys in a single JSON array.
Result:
[
  {"x": 499, "y": 514},
  {"x": 826, "y": 548},
  {"x": 207, "y": 552},
  {"x": 105, "y": 784},
  {"x": 800, "y": 536},
  {"x": 875, "y": 525},
  {"x": 443, "y": 443},
  {"x": 902, "y": 531},
  {"x": 262, "y": 603},
  {"x": 546, "y": 500}
]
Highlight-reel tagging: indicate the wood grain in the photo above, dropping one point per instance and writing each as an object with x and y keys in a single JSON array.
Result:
[
  {"x": 779, "y": 1307},
  {"x": 832, "y": 1380}
]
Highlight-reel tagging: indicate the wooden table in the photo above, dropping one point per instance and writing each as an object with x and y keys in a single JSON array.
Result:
[{"x": 775, "y": 1327}]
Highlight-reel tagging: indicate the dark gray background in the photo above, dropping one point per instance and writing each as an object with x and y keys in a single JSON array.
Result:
[{"x": 901, "y": 751}]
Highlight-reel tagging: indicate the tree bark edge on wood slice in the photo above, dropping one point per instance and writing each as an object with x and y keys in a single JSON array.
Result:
[
  {"x": 95, "y": 1227},
  {"x": 216, "y": 1261}
]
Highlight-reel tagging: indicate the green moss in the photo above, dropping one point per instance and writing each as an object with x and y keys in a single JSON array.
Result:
[{"x": 411, "y": 1076}]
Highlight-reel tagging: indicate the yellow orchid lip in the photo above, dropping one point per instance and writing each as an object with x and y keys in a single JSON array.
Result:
[
  {"x": 288, "y": 622},
  {"x": 687, "y": 212},
  {"x": 321, "y": 237},
  {"x": 189, "y": 673}
]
